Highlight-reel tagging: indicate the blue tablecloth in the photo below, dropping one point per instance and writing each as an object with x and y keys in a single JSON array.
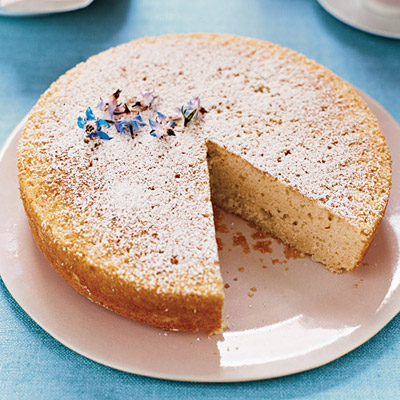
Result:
[{"x": 35, "y": 51}]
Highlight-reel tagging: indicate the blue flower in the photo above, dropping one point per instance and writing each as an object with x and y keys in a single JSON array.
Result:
[
  {"x": 93, "y": 126},
  {"x": 136, "y": 123},
  {"x": 130, "y": 124},
  {"x": 120, "y": 126},
  {"x": 162, "y": 127},
  {"x": 191, "y": 110}
]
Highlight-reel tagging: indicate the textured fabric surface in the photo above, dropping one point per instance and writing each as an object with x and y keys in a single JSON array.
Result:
[{"x": 35, "y": 51}]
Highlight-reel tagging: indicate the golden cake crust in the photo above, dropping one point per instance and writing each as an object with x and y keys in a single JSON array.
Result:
[{"x": 109, "y": 250}]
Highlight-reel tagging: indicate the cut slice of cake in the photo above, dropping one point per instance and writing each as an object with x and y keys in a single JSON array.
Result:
[{"x": 282, "y": 142}]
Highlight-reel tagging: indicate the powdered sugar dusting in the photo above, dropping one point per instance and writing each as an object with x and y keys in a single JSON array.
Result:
[{"x": 141, "y": 205}]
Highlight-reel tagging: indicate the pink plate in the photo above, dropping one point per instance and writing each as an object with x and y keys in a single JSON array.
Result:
[{"x": 286, "y": 314}]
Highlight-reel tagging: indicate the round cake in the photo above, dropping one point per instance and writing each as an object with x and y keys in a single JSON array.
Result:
[{"x": 123, "y": 156}]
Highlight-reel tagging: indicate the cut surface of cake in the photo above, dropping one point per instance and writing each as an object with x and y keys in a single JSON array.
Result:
[{"x": 128, "y": 222}]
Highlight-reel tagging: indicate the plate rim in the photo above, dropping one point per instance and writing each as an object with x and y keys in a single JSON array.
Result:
[
  {"x": 357, "y": 337},
  {"x": 6, "y": 12},
  {"x": 330, "y": 9}
]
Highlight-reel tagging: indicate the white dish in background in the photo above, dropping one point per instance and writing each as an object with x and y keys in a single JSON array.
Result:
[
  {"x": 25, "y": 8},
  {"x": 358, "y": 15},
  {"x": 298, "y": 315}
]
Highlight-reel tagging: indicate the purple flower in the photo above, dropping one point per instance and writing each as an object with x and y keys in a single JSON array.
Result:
[
  {"x": 146, "y": 102},
  {"x": 114, "y": 108},
  {"x": 93, "y": 126},
  {"x": 121, "y": 117},
  {"x": 162, "y": 127},
  {"x": 191, "y": 110},
  {"x": 147, "y": 98},
  {"x": 102, "y": 105},
  {"x": 121, "y": 126}
]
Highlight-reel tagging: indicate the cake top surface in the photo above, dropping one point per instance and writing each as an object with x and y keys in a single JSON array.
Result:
[{"x": 284, "y": 114}]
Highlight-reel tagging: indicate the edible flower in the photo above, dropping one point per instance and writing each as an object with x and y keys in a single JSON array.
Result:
[
  {"x": 162, "y": 127},
  {"x": 147, "y": 98},
  {"x": 130, "y": 124},
  {"x": 191, "y": 110},
  {"x": 92, "y": 125},
  {"x": 127, "y": 119},
  {"x": 114, "y": 108},
  {"x": 136, "y": 123},
  {"x": 146, "y": 102}
]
